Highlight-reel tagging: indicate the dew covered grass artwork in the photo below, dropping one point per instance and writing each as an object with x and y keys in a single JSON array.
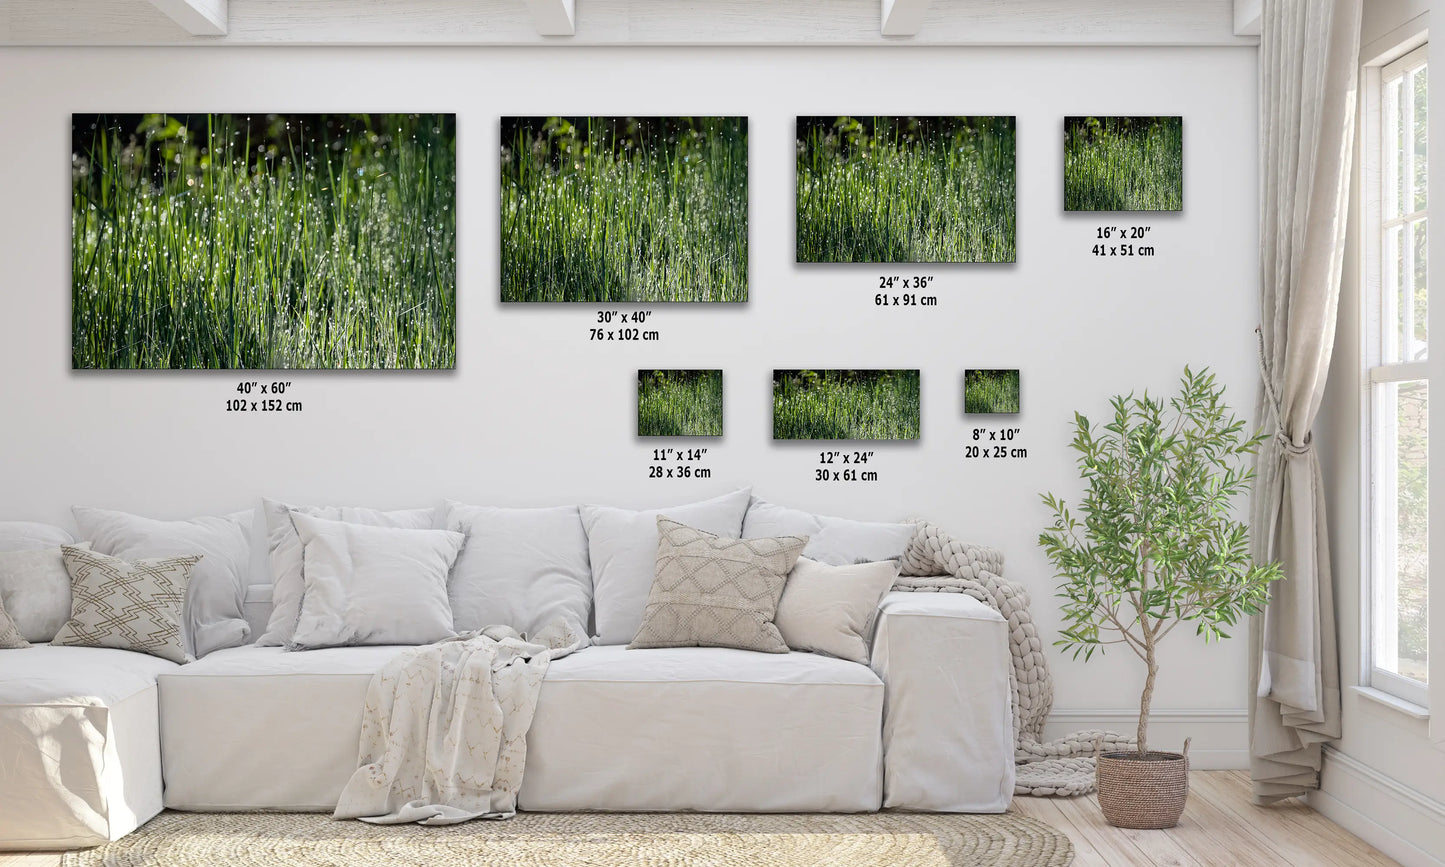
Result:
[
  {"x": 624, "y": 209},
  {"x": 991, "y": 391},
  {"x": 263, "y": 241},
  {"x": 845, "y": 404},
  {"x": 679, "y": 403},
  {"x": 1123, "y": 163},
  {"x": 906, "y": 189}
]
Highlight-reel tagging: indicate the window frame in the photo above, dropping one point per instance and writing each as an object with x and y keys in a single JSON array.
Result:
[{"x": 1378, "y": 469}]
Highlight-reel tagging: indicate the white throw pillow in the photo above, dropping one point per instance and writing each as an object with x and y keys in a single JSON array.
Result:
[
  {"x": 137, "y": 606},
  {"x": 284, "y": 554},
  {"x": 30, "y": 536},
  {"x": 373, "y": 585},
  {"x": 835, "y": 541},
  {"x": 830, "y": 609},
  {"x": 622, "y": 544},
  {"x": 522, "y": 568},
  {"x": 35, "y": 591},
  {"x": 216, "y": 595}
]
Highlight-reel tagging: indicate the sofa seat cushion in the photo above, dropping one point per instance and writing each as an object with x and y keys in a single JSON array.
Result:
[
  {"x": 705, "y": 728},
  {"x": 79, "y": 745},
  {"x": 47, "y": 674},
  {"x": 251, "y": 728},
  {"x": 615, "y": 729}
]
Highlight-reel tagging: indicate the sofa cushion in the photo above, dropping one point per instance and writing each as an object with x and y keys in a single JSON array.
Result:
[
  {"x": 213, "y": 617},
  {"x": 373, "y": 585},
  {"x": 135, "y": 606},
  {"x": 35, "y": 590},
  {"x": 30, "y": 536},
  {"x": 830, "y": 609},
  {"x": 622, "y": 544},
  {"x": 835, "y": 541},
  {"x": 629, "y": 729},
  {"x": 81, "y": 756},
  {"x": 716, "y": 591},
  {"x": 522, "y": 568},
  {"x": 284, "y": 553}
]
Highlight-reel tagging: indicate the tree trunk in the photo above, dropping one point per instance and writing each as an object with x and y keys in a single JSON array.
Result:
[{"x": 1147, "y": 697}]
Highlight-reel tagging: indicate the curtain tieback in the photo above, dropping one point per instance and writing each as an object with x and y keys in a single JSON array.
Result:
[{"x": 1289, "y": 448}]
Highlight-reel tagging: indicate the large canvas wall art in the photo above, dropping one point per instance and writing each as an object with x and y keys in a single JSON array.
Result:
[
  {"x": 906, "y": 189},
  {"x": 624, "y": 209},
  {"x": 263, "y": 241}
]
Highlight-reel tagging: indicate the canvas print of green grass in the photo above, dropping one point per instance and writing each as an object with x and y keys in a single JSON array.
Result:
[
  {"x": 845, "y": 404},
  {"x": 1123, "y": 163},
  {"x": 905, "y": 189},
  {"x": 990, "y": 391},
  {"x": 624, "y": 209},
  {"x": 263, "y": 241},
  {"x": 679, "y": 403}
]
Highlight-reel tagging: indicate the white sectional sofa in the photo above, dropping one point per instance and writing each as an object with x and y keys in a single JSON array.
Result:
[{"x": 93, "y": 742}]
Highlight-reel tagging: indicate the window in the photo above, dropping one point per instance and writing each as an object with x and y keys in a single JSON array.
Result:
[{"x": 1398, "y": 393}]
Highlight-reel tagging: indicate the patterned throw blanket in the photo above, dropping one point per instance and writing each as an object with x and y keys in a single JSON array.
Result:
[
  {"x": 444, "y": 733},
  {"x": 1060, "y": 767}
]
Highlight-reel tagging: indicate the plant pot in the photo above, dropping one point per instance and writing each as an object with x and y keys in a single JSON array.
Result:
[{"x": 1146, "y": 792}]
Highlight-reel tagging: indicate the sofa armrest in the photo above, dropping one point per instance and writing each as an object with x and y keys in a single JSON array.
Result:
[{"x": 948, "y": 742}]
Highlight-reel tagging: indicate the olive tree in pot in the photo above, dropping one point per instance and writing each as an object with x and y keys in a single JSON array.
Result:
[{"x": 1154, "y": 543}]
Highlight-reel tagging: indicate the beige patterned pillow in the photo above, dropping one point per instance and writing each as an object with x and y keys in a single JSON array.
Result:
[
  {"x": 10, "y": 637},
  {"x": 713, "y": 591},
  {"x": 129, "y": 606}
]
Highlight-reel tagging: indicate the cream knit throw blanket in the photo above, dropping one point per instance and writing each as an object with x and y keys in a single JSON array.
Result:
[{"x": 1059, "y": 767}]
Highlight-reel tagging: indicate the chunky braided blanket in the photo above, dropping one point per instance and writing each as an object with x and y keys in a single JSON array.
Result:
[{"x": 1059, "y": 767}]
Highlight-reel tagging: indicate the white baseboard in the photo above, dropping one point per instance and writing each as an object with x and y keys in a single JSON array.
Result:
[
  {"x": 1220, "y": 738},
  {"x": 1399, "y": 821}
]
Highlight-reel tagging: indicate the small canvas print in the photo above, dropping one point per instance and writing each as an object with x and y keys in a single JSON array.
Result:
[
  {"x": 990, "y": 391},
  {"x": 1123, "y": 163},
  {"x": 845, "y": 404},
  {"x": 905, "y": 189},
  {"x": 679, "y": 403},
  {"x": 620, "y": 209},
  {"x": 263, "y": 241}
]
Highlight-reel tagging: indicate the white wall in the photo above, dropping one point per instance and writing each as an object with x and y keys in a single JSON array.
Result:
[
  {"x": 535, "y": 414},
  {"x": 1386, "y": 779}
]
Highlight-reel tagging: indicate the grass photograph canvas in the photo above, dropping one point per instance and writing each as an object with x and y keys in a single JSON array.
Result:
[
  {"x": 263, "y": 241},
  {"x": 906, "y": 189},
  {"x": 1123, "y": 163},
  {"x": 991, "y": 391},
  {"x": 624, "y": 209},
  {"x": 679, "y": 403},
  {"x": 846, "y": 404}
]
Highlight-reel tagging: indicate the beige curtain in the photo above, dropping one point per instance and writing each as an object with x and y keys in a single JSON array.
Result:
[{"x": 1308, "y": 60}]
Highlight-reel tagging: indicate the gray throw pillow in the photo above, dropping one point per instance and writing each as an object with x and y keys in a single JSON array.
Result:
[
  {"x": 716, "y": 591},
  {"x": 829, "y": 609},
  {"x": 128, "y": 606}
]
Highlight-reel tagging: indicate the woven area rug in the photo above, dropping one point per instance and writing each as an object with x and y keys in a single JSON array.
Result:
[{"x": 589, "y": 840}]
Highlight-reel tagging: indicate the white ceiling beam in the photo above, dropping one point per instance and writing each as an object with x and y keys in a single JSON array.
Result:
[
  {"x": 1247, "y": 15},
  {"x": 903, "y": 17},
  {"x": 198, "y": 17},
  {"x": 554, "y": 17}
]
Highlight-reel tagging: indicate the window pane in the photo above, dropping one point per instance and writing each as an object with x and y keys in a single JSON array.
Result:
[
  {"x": 1392, "y": 289},
  {"x": 1401, "y": 591},
  {"x": 1392, "y": 173},
  {"x": 1418, "y": 86},
  {"x": 1422, "y": 330}
]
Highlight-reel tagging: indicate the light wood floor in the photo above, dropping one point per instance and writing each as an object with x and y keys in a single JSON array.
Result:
[{"x": 1220, "y": 828}]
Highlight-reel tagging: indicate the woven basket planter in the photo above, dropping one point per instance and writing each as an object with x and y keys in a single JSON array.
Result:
[{"x": 1146, "y": 793}]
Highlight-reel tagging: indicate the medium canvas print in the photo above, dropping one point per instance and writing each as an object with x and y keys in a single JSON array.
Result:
[
  {"x": 991, "y": 391},
  {"x": 1123, "y": 163},
  {"x": 679, "y": 403},
  {"x": 845, "y": 404},
  {"x": 624, "y": 209},
  {"x": 263, "y": 241},
  {"x": 906, "y": 189}
]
